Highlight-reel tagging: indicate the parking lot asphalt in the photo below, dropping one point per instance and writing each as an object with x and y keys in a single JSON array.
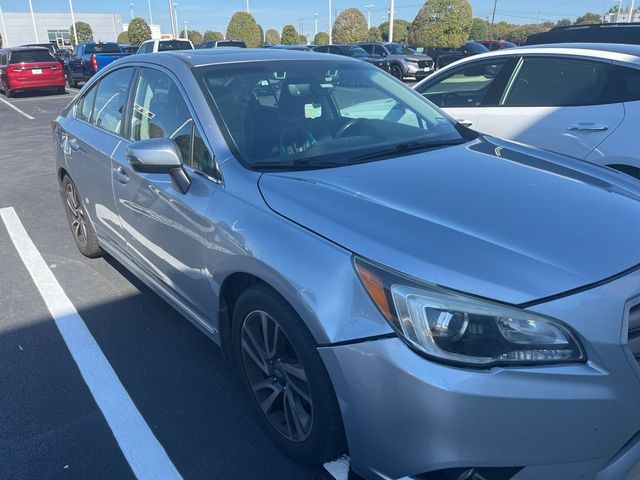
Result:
[{"x": 51, "y": 425}]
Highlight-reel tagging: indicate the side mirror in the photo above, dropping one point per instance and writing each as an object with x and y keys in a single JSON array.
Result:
[{"x": 159, "y": 155}]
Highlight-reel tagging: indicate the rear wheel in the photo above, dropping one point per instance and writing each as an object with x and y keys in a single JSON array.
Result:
[
  {"x": 81, "y": 228},
  {"x": 71, "y": 82},
  {"x": 286, "y": 378},
  {"x": 8, "y": 93}
]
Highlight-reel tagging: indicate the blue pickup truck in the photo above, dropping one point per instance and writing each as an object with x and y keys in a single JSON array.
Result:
[{"x": 88, "y": 58}]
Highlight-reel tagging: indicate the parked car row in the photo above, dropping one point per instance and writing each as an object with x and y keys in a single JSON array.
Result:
[
  {"x": 438, "y": 302},
  {"x": 28, "y": 68}
]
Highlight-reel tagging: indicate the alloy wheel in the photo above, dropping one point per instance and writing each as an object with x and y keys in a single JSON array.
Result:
[
  {"x": 277, "y": 377},
  {"x": 78, "y": 221}
]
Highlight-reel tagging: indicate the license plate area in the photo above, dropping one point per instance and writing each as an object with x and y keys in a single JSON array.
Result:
[{"x": 36, "y": 71}]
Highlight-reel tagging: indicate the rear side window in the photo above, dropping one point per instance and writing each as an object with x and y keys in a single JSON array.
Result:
[
  {"x": 31, "y": 56},
  {"x": 556, "y": 82},
  {"x": 111, "y": 97},
  {"x": 174, "y": 45},
  {"x": 85, "y": 105},
  {"x": 466, "y": 86},
  {"x": 103, "y": 48},
  {"x": 630, "y": 84}
]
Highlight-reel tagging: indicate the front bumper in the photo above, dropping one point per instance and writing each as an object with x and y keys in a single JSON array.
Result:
[
  {"x": 414, "y": 70},
  {"x": 405, "y": 415}
]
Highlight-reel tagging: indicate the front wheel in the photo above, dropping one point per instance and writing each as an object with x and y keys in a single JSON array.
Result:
[
  {"x": 396, "y": 71},
  {"x": 286, "y": 378}
]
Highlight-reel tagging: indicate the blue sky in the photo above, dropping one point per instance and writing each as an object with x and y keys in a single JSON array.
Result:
[{"x": 214, "y": 14}]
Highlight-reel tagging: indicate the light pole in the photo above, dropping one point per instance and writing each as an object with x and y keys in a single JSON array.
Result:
[
  {"x": 633, "y": 4},
  {"x": 150, "y": 14},
  {"x": 315, "y": 21},
  {"x": 391, "y": 13},
  {"x": 173, "y": 28},
  {"x": 4, "y": 27},
  {"x": 330, "y": 25},
  {"x": 493, "y": 19},
  {"x": 73, "y": 22},
  {"x": 131, "y": 7},
  {"x": 33, "y": 20},
  {"x": 175, "y": 16},
  {"x": 247, "y": 6},
  {"x": 186, "y": 32},
  {"x": 369, "y": 15}
]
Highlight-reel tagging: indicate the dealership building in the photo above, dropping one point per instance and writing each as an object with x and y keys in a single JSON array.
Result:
[{"x": 17, "y": 28}]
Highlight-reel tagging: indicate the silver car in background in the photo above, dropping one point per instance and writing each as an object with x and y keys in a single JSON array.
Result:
[{"x": 437, "y": 303}]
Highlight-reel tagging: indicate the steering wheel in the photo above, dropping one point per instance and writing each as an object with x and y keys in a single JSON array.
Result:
[
  {"x": 347, "y": 126},
  {"x": 295, "y": 140}
]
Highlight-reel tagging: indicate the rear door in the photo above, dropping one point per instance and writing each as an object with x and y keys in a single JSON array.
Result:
[
  {"x": 565, "y": 105},
  {"x": 167, "y": 231},
  {"x": 465, "y": 92},
  {"x": 89, "y": 143}
]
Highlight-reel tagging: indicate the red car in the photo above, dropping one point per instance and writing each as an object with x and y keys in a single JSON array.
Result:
[
  {"x": 26, "y": 68},
  {"x": 497, "y": 44}
]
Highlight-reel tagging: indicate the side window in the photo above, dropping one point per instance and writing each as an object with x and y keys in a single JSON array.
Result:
[
  {"x": 322, "y": 49},
  {"x": 555, "y": 82},
  {"x": 368, "y": 48},
  {"x": 111, "y": 96},
  {"x": 630, "y": 84},
  {"x": 85, "y": 105},
  {"x": 201, "y": 158},
  {"x": 379, "y": 50},
  {"x": 466, "y": 86},
  {"x": 159, "y": 111}
]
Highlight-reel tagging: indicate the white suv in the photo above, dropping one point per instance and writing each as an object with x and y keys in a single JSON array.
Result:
[{"x": 153, "y": 46}]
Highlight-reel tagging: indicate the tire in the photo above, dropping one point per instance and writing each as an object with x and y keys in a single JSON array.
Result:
[
  {"x": 79, "y": 222},
  {"x": 396, "y": 71},
  {"x": 71, "y": 82},
  {"x": 276, "y": 378},
  {"x": 8, "y": 93},
  {"x": 61, "y": 90}
]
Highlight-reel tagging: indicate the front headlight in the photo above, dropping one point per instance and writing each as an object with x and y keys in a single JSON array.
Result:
[{"x": 456, "y": 328}]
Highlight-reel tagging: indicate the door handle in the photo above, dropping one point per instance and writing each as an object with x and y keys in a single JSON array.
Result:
[
  {"x": 465, "y": 123},
  {"x": 121, "y": 176},
  {"x": 587, "y": 128}
]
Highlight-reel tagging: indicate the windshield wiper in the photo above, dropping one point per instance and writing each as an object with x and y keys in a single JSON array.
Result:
[
  {"x": 300, "y": 163},
  {"x": 407, "y": 147}
]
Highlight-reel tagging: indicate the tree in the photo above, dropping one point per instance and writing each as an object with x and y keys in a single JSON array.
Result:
[
  {"x": 563, "y": 22},
  {"x": 84, "y": 32},
  {"x": 272, "y": 37},
  {"x": 289, "y": 35},
  {"x": 0, "y": 40},
  {"x": 479, "y": 29},
  {"x": 243, "y": 26},
  {"x": 261, "y": 30},
  {"x": 195, "y": 37},
  {"x": 321, "y": 38},
  {"x": 400, "y": 30},
  {"x": 139, "y": 31},
  {"x": 303, "y": 40},
  {"x": 210, "y": 35},
  {"x": 374, "y": 35},
  {"x": 441, "y": 24},
  {"x": 123, "y": 37},
  {"x": 350, "y": 27},
  {"x": 588, "y": 18}
]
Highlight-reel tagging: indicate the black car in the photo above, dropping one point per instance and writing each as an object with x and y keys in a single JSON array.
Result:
[
  {"x": 595, "y": 33},
  {"x": 222, "y": 43},
  {"x": 444, "y": 56},
  {"x": 403, "y": 61},
  {"x": 354, "y": 51},
  {"x": 53, "y": 47}
]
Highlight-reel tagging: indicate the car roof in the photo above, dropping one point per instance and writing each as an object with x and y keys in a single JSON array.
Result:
[
  {"x": 607, "y": 51},
  {"x": 25, "y": 47},
  {"x": 206, "y": 56}
]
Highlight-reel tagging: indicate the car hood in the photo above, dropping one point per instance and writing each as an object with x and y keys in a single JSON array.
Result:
[
  {"x": 490, "y": 217},
  {"x": 417, "y": 58}
]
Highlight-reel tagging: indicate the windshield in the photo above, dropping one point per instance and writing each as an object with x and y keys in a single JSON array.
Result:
[
  {"x": 397, "y": 49},
  {"x": 174, "y": 45},
  {"x": 32, "y": 56},
  {"x": 475, "y": 47},
  {"x": 319, "y": 112},
  {"x": 103, "y": 48},
  {"x": 353, "y": 51},
  {"x": 231, "y": 44}
]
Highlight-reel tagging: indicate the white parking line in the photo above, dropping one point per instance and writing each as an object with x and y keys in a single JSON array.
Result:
[
  {"x": 16, "y": 109},
  {"x": 145, "y": 455},
  {"x": 339, "y": 468}
]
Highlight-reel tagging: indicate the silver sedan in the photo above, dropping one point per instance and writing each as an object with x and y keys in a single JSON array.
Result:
[{"x": 439, "y": 303}]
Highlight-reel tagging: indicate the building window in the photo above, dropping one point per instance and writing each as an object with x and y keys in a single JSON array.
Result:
[{"x": 62, "y": 37}]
